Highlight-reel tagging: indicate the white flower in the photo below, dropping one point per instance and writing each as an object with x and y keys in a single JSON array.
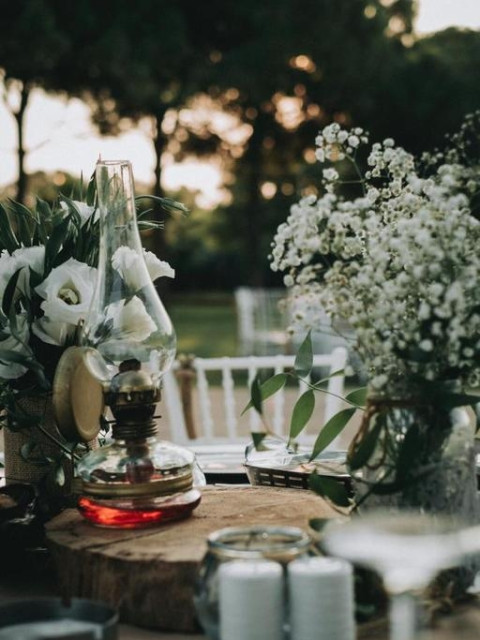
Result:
[
  {"x": 131, "y": 267},
  {"x": 400, "y": 263},
  {"x": 131, "y": 320},
  {"x": 84, "y": 210},
  {"x": 330, "y": 174},
  {"x": 67, "y": 293},
  {"x": 157, "y": 268}
]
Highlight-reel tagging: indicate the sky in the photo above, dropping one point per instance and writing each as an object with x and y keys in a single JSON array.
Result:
[{"x": 59, "y": 136}]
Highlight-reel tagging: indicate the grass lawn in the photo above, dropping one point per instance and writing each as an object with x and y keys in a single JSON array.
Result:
[{"x": 206, "y": 325}]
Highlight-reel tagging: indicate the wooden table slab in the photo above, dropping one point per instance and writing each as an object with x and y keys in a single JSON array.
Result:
[{"x": 149, "y": 574}]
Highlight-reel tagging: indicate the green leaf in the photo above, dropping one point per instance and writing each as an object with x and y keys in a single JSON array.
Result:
[
  {"x": 9, "y": 294},
  {"x": 24, "y": 231},
  {"x": 8, "y": 239},
  {"x": 302, "y": 412},
  {"x": 150, "y": 224},
  {"x": 256, "y": 396},
  {"x": 91, "y": 191},
  {"x": 304, "y": 358},
  {"x": 320, "y": 385},
  {"x": 358, "y": 396},
  {"x": 258, "y": 437},
  {"x": 57, "y": 238},
  {"x": 318, "y": 524},
  {"x": 167, "y": 204},
  {"x": 8, "y": 356},
  {"x": 331, "y": 430},
  {"x": 364, "y": 450},
  {"x": 329, "y": 488},
  {"x": 269, "y": 387}
]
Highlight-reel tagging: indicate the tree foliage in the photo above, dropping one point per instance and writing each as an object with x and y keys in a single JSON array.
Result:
[{"x": 280, "y": 68}]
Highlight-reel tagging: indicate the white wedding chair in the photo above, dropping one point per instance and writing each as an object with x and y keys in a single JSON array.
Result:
[
  {"x": 262, "y": 320},
  {"x": 265, "y": 318},
  {"x": 199, "y": 412}
]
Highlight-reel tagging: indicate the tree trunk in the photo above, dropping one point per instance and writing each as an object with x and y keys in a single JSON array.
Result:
[
  {"x": 159, "y": 144},
  {"x": 19, "y": 116},
  {"x": 252, "y": 227},
  {"x": 159, "y": 140}
]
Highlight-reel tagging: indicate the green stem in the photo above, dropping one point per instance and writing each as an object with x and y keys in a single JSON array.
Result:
[{"x": 57, "y": 442}]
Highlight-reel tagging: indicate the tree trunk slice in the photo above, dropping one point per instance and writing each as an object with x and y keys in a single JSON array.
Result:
[{"x": 149, "y": 574}]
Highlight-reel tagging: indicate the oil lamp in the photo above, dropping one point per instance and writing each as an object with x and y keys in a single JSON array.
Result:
[{"x": 128, "y": 343}]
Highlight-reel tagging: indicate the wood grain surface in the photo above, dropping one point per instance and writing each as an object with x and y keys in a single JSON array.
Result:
[{"x": 149, "y": 574}]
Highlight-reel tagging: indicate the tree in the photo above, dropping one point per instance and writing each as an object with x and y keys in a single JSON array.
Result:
[
  {"x": 436, "y": 87},
  {"x": 320, "y": 59},
  {"x": 31, "y": 44}
]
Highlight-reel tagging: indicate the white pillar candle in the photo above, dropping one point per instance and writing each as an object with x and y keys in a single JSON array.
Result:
[
  {"x": 321, "y": 599},
  {"x": 251, "y": 600}
]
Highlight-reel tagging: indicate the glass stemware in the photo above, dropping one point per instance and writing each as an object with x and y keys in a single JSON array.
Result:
[{"x": 407, "y": 549}]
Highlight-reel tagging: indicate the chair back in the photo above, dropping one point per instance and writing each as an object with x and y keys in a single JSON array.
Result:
[
  {"x": 204, "y": 397},
  {"x": 263, "y": 319}
]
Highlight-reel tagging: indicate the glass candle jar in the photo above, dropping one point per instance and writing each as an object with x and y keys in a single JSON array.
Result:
[{"x": 281, "y": 544}]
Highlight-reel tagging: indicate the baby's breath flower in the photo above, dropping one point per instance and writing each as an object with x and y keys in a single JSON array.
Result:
[{"x": 400, "y": 262}]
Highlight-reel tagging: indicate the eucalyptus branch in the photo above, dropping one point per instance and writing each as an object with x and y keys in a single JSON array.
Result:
[{"x": 312, "y": 386}]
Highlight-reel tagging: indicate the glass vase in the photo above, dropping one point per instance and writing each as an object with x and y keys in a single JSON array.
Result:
[{"x": 422, "y": 458}]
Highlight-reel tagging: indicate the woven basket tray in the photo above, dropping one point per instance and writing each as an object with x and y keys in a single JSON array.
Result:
[{"x": 295, "y": 475}]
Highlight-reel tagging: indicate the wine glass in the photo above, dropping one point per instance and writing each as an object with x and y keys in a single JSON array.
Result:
[{"x": 406, "y": 548}]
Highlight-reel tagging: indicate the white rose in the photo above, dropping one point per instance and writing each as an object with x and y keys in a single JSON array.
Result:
[
  {"x": 84, "y": 210},
  {"x": 17, "y": 343},
  {"x": 67, "y": 293},
  {"x": 131, "y": 268}
]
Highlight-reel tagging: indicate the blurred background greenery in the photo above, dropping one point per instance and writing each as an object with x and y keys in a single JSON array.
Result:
[{"x": 244, "y": 85}]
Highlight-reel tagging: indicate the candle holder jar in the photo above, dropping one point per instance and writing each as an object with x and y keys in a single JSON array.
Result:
[{"x": 281, "y": 544}]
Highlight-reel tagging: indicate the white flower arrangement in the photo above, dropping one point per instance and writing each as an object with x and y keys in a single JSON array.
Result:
[
  {"x": 399, "y": 262},
  {"x": 48, "y": 259}
]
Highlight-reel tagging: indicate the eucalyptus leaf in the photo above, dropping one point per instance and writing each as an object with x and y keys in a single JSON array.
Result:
[
  {"x": 150, "y": 224},
  {"x": 91, "y": 191},
  {"x": 358, "y": 396},
  {"x": 57, "y": 239},
  {"x": 331, "y": 430},
  {"x": 329, "y": 488},
  {"x": 167, "y": 204},
  {"x": 258, "y": 437},
  {"x": 318, "y": 524},
  {"x": 364, "y": 450},
  {"x": 269, "y": 388},
  {"x": 9, "y": 293},
  {"x": 73, "y": 210},
  {"x": 256, "y": 395},
  {"x": 301, "y": 414},
  {"x": 321, "y": 385},
  {"x": 304, "y": 358},
  {"x": 7, "y": 237}
]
